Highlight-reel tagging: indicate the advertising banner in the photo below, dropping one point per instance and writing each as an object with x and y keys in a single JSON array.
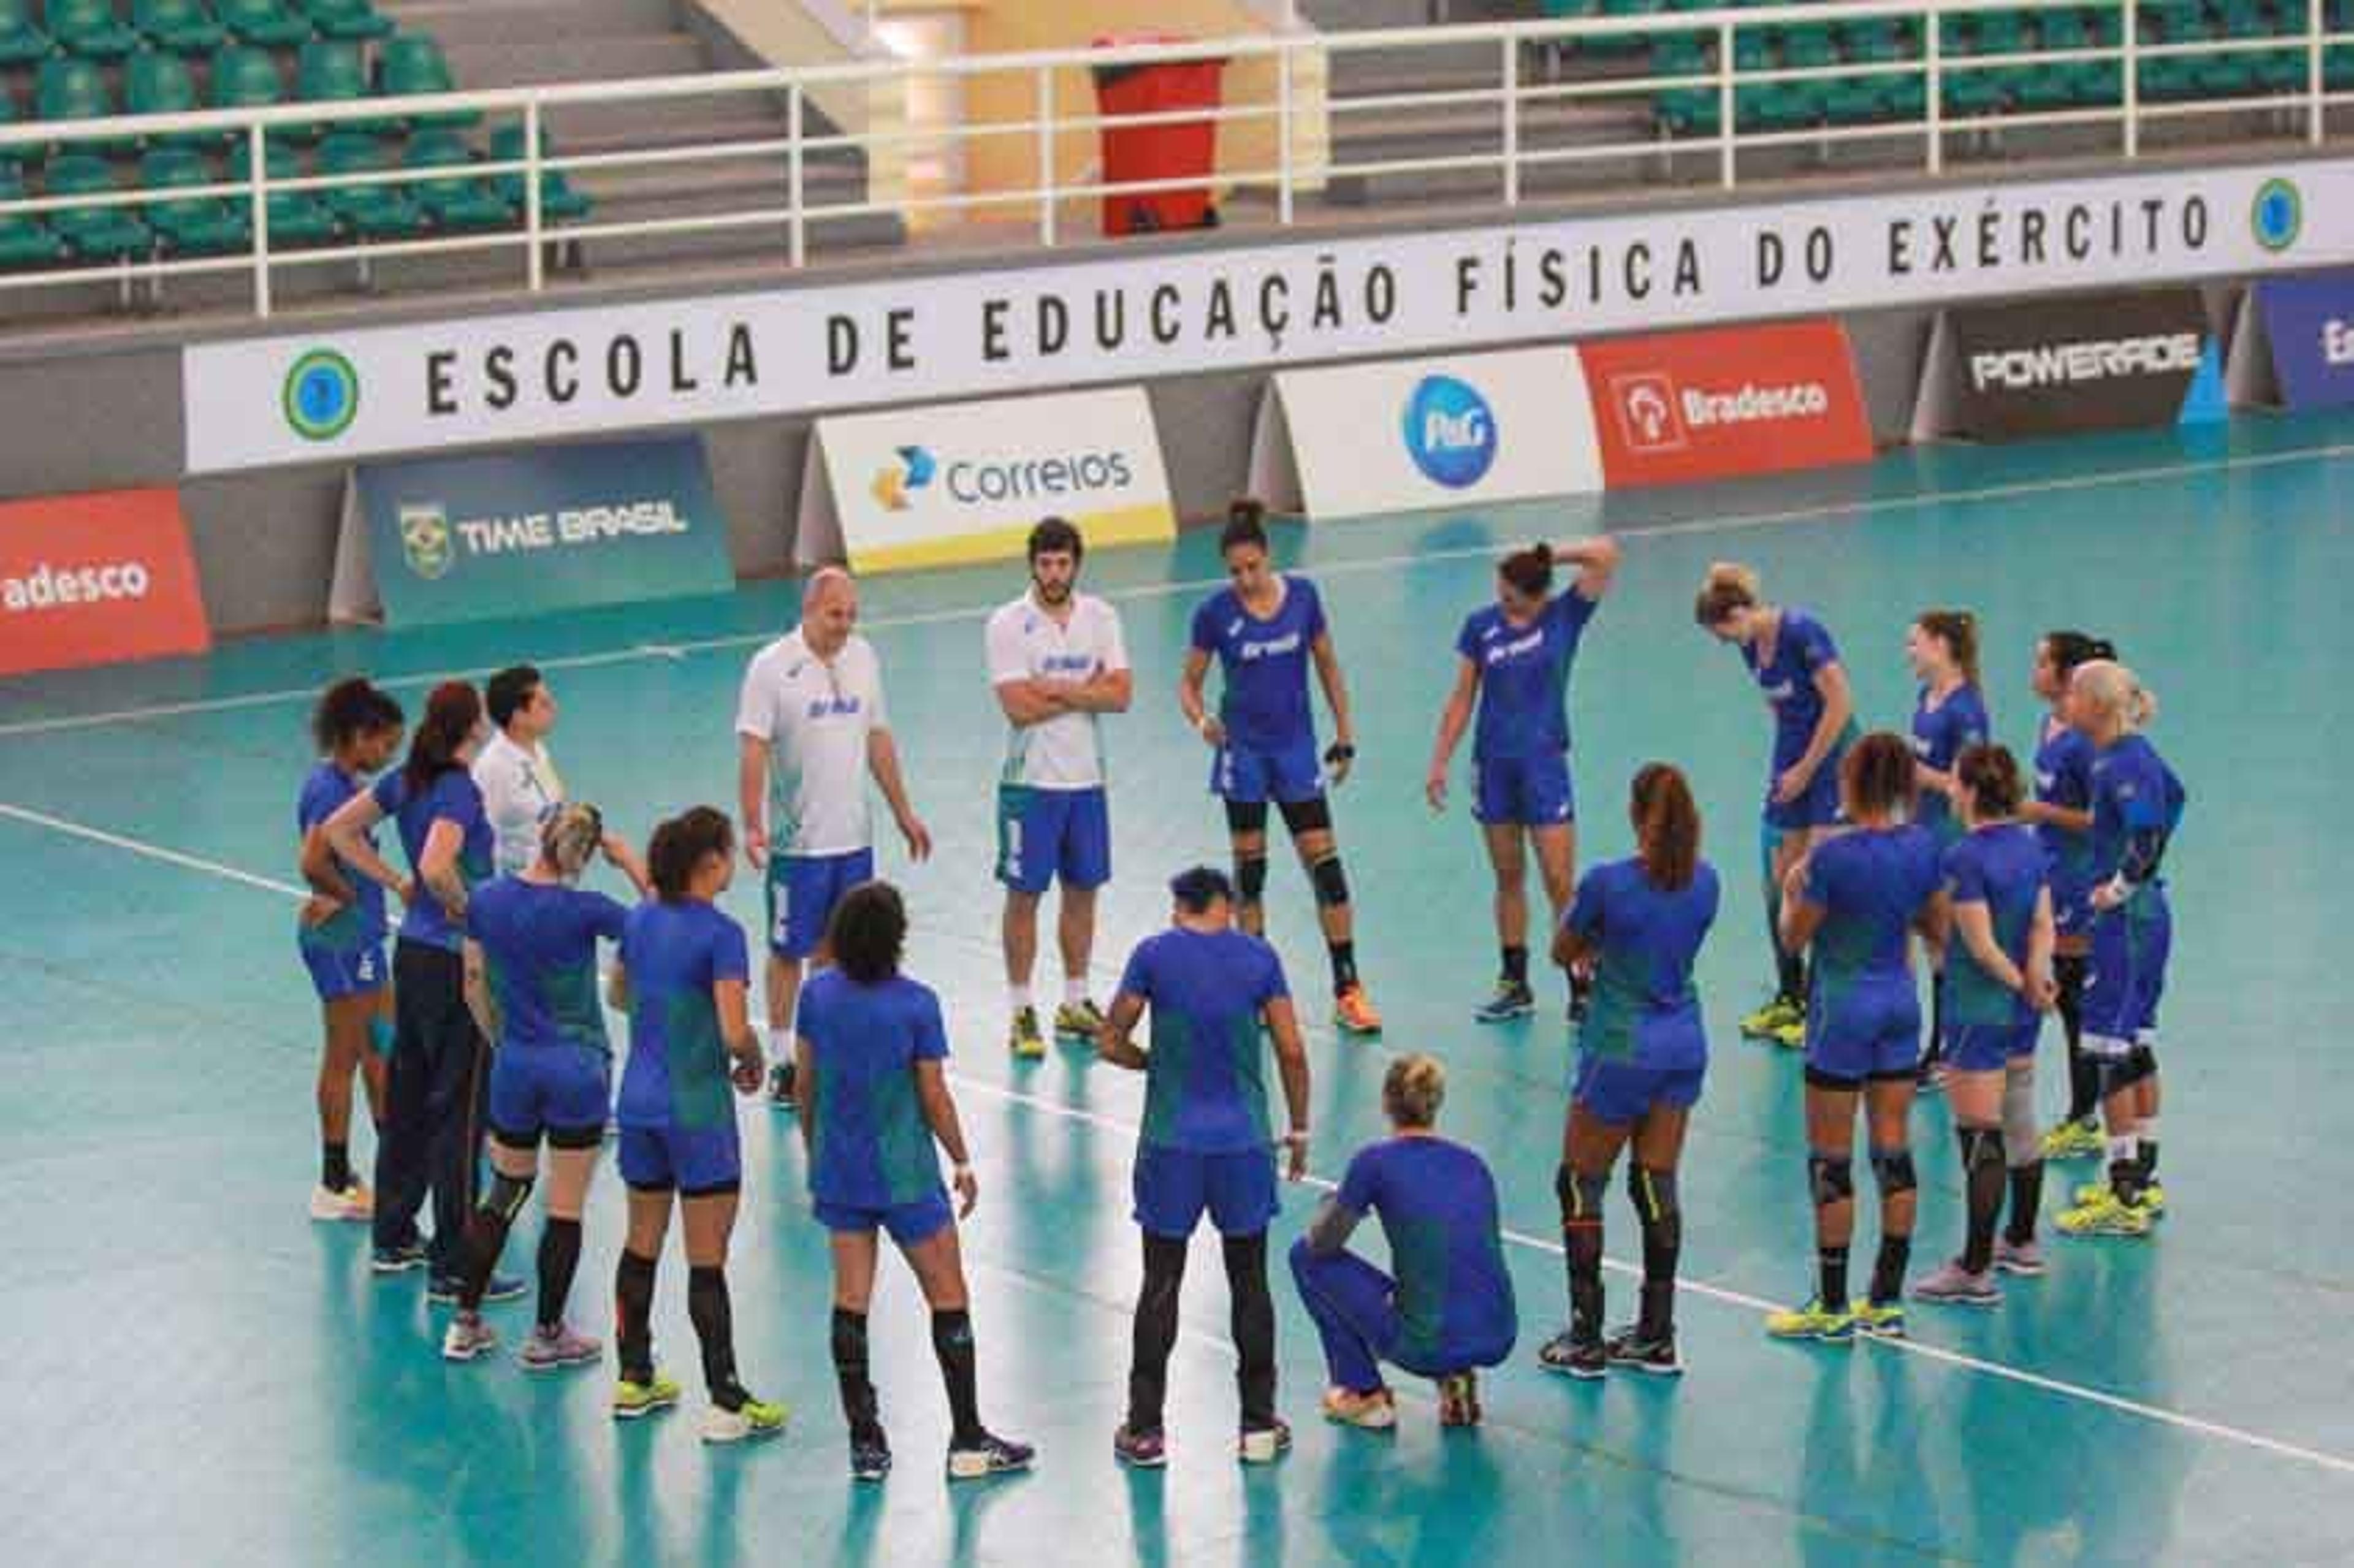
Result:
[
  {"x": 943, "y": 487},
  {"x": 523, "y": 533},
  {"x": 526, "y": 377},
  {"x": 2309, "y": 325},
  {"x": 2009, "y": 372},
  {"x": 102, "y": 578},
  {"x": 1717, "y": 405}
]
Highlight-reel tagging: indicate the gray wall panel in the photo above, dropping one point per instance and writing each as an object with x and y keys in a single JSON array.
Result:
[
  {"x": 265, "y": 545},
  {"x": 90, "y": 422}
]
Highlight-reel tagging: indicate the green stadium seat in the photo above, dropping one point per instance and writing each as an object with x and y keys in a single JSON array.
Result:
[
  {"x": 158, "y": 84},
  {"x": 1973, "y": 93},
  {"x": 2175, "y": 21},
  {"x": 558, "y": 202},
  {"x": 190, "y": 225},
  {"x": 25, "y": 239},
  {"x": 265, "y": 22},
  {"x": 411, "y": 65},
  {"x": 89, "y": 28},
  {"x": 2223, "y": 76},
  {"x": 183, "y": 27},
  {"x": 348, "y": 21},
  {"x": 2280, "y": 71},
  {"x": 21, "y": 43},
  {"x": 2337, "y": 67},
  {"x": 1689, "y": 112},
  {"x": 381, "y": 211},
  {"x": 2044, "y": 90},
  {"x": 2064, "y": 30},
  {"x": 1808, "y": 48},
  {"x": 1680, "y": 56},
  {"x": 1780, "y": 106},
  {"x": 93, "y": 233},
  {"x": 457, "y": 202},
  {"x": 1999, "y": 33},
  {"x": 1870, "y": 43},
  {"x": 297, "y": 218},
  {"x": 21, "y": 152},
  {"x": 2247, "y": 19},
  {"x": 2169, "y": 79},
  {"x": 246, "y": 78},
  {"x": 1752, "y": 50},
  {"x": 326, "y": 71},
  {"x": 70, "y": 88}
]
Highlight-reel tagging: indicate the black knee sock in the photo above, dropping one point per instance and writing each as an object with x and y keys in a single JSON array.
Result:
[
  {"x": 1888, "y": 1270},
  {"x": 559, "y": 1259},
  {"x": 1516, "y": 966},
  {"x": 2083, "y": 1072},
  {"x": 1934, "y": 1052},
  {"x": 1252, "y": 1322},
  {"x": 1983, "y": 1179},
  {"x": 1661, "y": 1218},
  {"x": 2026, "y": 1200},
  {"x": 633, "y": 1304},
  {"x": 1792, "y": 970},
  {"x": 1344, "y": 965},
  {"x": 1830, "y": 1267},
  {"x": 714, "y": 1326},
  {"x": 1156, "y": 1332},
  {"x": 485, "y": 1238},
  {"x": 953, "y": 1343},
  {"x": 858, "y": 1405},
  {"x": 336, "y": 1166},
  {"x": 1581, "y": 1238}
]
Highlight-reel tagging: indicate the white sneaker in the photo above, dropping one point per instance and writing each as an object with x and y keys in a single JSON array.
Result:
[
  {"x": 468, "y": 1337},
  {"x": 354, "y": 1203},
  {"x": 752, "y": 1419}
]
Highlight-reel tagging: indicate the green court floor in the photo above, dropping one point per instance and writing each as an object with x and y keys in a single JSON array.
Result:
[{"x": 199, "y": 1374}]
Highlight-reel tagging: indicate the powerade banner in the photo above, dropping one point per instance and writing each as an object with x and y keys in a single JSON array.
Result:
[
  {"x": 1401, "y": 435},
  {"x": 474, "y": 538},
  {"x": 2115, "y": 363},
  {"x": 102, "y": 578},
  {"x": 1715, "y": 405},
  {"x": 2309, "y": 323},
  {"x": 527, "y": 376},
  {"x": 941, "y": 486}
]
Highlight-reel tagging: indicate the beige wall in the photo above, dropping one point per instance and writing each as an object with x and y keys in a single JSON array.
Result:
[{"x": 784, "y": 34}]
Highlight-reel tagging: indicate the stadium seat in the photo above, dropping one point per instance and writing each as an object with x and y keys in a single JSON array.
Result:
[
  {"x": 1870, "y": 43},
  {"x": 297, "y": 218},
  {"x": 1970, "y": 95},
  {"x": 2246, "y": 20},
  {"x": 89, "y": 28},
  {"x": 93, "y": 233},
  {"x": 1780, "y": 106},
  {"x": 183, "y": 27},
  {"x": 69, "y": 89},
  {"x": 1808, "y": 48},
  {"x": 1752, "y": 50},
  {"x": 381, "y": 211},
  {"x": 11, "y": 155},
  {"x": 465, "y": 201},
  {"x": 2064, "y": 30},
  {"x": 25, "y": 239},
  {"x": 2337, "y": 67},
  {"x": 263, "y": 22},
  {"x": 2170, "y": 78},
  {"x": 348, "y": 21},
  {"x": 558, "y": 202},
  {"x": 1680, "y": 55},
  {"x": 412, "y": 65},
  {"x": 158, "y": 84},
  {"x": 21, "y": 43},
  {"x": 329, "y": 72},
  {"x": 2175, "y": 21},
  {"x": 190, "y": 225},
  {"x": 246, "y": 78},
  {"x": 1689, "y": 112}
]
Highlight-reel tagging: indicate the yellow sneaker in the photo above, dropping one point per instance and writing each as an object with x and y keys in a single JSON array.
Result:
[
  {"x": 1769, "y": 1021},
  {"x": 1792, "y": 1031},
  {"x": 1083, "y": 1019},
  {"x": 1023, "y": 1039},
  {"x": 1832, "y": 1325},
  {"x": 2075, "y": 1141},
  {"x": 2152, "y": 1201},
  {"x": 632, "y": 1400},
  {"x": 1354, "y": 1012},
  {"x": 2104, "y": 1215}
]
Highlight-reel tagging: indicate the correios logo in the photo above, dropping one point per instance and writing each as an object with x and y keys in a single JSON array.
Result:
[
  {"x": 1646, "y": 412},
  {"x": 992, "y": 480},
  {"x": 1450, "y": 432},
  {"x": 322, "y": 395},
  {"x": 913, "y": 471}
]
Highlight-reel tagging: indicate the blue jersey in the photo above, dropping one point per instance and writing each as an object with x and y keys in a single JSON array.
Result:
[
  {"x": 1940, "y": 735},
  {"x": 1264, "y": 703},
  {"x": 1802, "y": 648},
  {"x": 450, "y": 798},
  {"x": 1436, "y": 1200},
  {"x": 361, "y": 925},
  {"x": 677, "y": 1072},
  {"x": 2136, "y": 803},
  {"x": 870, "y": 1145},
  {"x": 2000, "y": 866},
  {"x": 1871, "y": 884},
  {"x": 1524, "y": 676},
  {"x": 1206, "y": 1084},
  {"x": 539, "y": 947},
  {"x": 2064, "y": 777},
  {"x": 1643, "y": 1010}
]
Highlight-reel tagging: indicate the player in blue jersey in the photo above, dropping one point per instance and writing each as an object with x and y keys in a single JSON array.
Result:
[
  {"x": 1513, "y": 664},
  {"x": 432, "y": 1134},
  {"x": 1949, "y": 716},
  {"x": 1207, "y": 1143},
  {"x": 1266, "y": 632},
  {"x": 341, "y": 933},
  {"x": 1445, "y": 1309},
  {"x": 875, "y": 1103},
  {"x": 1855, "y": 901},
  {"x": 1997, "y": 984},
  {"x": 1797, "y": 668},
  {"x": 551, "y": 1075},
  {"x": 2136, "y": 805},
  {"x": 2061, "y": 813},
  {"x": 1642, "y": 1052},
  {"x": 683, "y": 977}
]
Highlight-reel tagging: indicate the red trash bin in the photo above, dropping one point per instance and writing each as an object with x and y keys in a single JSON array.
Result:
[{"x": 1164, "y": 150}]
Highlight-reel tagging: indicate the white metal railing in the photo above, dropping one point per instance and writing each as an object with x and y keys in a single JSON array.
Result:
[{"x": 1501, "y": 145}]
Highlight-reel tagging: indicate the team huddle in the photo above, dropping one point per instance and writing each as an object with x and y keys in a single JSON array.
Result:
[{"x": 490, "y": 1016}]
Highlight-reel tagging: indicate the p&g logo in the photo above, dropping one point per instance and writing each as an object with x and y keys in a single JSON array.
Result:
[{"x": 1450, "y": 432}]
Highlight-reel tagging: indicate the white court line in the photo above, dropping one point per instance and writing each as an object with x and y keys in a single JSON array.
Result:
[
  {"x": 151, "y": 852},
  {"x": 1738, "y": 521}
]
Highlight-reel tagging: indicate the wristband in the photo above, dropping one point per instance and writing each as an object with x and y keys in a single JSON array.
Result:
[
  {"x": 963, "y": 1168},
  {"x": 1340, "y": 751},
  {"x": 1297, "y": 1135}
]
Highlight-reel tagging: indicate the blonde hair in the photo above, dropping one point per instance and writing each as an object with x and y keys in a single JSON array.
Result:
[
  {"x": 1728, "y": 586},
  {"x": 1412, "y": 1090},
  {"x": 570, "y": 837},
  {"x": 2117, "y": 690}
]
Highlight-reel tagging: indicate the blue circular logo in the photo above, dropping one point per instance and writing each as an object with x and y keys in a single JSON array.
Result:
[
  {"x": 2278, "y": 214},
  {"x": 322, "y": 397},
  {"x": 1450, "y": 432}
]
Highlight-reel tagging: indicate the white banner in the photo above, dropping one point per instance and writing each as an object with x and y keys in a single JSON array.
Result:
[
  {"x": 1150, "y": 312},
  {"x": 1402, "y": 435},
  {"x": 938, "y": 486}
]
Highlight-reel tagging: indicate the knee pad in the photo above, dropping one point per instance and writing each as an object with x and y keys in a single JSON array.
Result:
[
  {"x": 506, "y": 1195},
  {"x": 2119, "y": 1074},
  {"x": 2022, "y": 1145},
  {"x": 1310, "y": 816},
  {"x": 1892, "y": 1169},
  {"x": 1654, "y": 1193},
  {"x": 1581, "y": 1196},
  {"x": 1250, "y": 877},
  {"x": 1332, "y": 882},
  {"x": 2144, "y": 1062},
  {"x": 1981, "y": 1146},
  {"x": 1246, "y": 816},
  {"x": 1832, "y": 1180}
]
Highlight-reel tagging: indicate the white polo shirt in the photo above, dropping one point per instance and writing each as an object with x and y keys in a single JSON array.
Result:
[
  {"x": 1025, "y": 643},
  {"x": 519, "y": 788},
  {"x": 815, "y": 717}
]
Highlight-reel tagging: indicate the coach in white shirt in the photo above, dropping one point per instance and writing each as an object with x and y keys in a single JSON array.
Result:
[
  {"x": 518, "y": 782},
  {"x": 1057, "y": 661},
  {"x": 811, "y": 727}
]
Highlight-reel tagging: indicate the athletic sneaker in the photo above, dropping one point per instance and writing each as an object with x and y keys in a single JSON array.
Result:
[
  {"x": 1264, "y": 1445},
  {"x": 1139, "y": 1450},
  {"x": 1512, "y": 999},
  {"x": 354, "y": 1203},
  {"x": 2104, "y": 1215},
  {"x": 2075, "y": 1140},
  {"x": 1581, "y": 997},
  {"x": 468, "y": 1337},
  {"x": 397, "y": 1259},
  {"x": 1951, "y": 1285},
  {"x": 1023, "y": 1039},
  {"x": 1375, "y": 1412},
  {"x": 1770, "y": 1020},
  {"x": 2152, "y": 1201},
  {"x": 1354, "y": 1012},
  {"x": 632, "y": 1400},
  {"x": 2023, "y": 1258},
  {"x": 549, "y": 1349},
  {"x": 870, "y": 1456},
  {"x": 751, "y": 1419},
  {"x": 1880, "y": 1319},
  {"x": 1627, "y": 1347},
  {"x": 1458, "y": 1399},
  {"x": 780, "y": 1086},
  {"x": 445, "y": 1289},
  {"x": 1572, "y": 1357},
  {"x": 1832, "y": 1325},
  {"x": 989, "y": 1456},
  {"x": 1791, "y": 1033},
  {"x": 1083, "y": 1019}
]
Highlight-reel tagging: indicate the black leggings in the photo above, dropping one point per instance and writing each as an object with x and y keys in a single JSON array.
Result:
[
  {"x": 440, "y": 1084},
  {"x": 1253, "y": 1324}
]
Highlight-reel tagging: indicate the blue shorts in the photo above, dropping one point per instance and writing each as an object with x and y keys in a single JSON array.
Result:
[
  {"x": 1618, "y": 1092},
  {"x": 1525, "y": 792},
  {"x": 803, "y": 890},
  {"x": 548, "y": 1088},
  {"x": 1874, "y": 1031},
  {"x": 695, "y": 1161},
  {"x": 2126, "y": 977},
  {"x": 1286, "y": 776},
  {"x": 1988, "y": 1047},
  {"x": 1817, "y": 807},
  {"x": 1174, "y": 1186},
  {"x": 907, "y": 1222},
  {"x": 1043, "y": 834},
  {"x": 339, "y": 972}
]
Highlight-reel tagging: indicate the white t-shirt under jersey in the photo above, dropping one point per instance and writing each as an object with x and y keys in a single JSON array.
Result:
[
  {"x": 1025, "y": 643},
  {"x": 519, "y": 789},
  {"x": 816, "y": 718}
]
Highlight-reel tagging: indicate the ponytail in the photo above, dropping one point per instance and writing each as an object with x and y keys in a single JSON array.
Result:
[
  {"x": 570, "y": 837},
  {"x": 1990, "y": 773},
  {"x": 452, "y": 714},
  {"x": 1667, "y": 826},
  {"x": 1958, "y": 630},
  {"x": 2118, "y": 690},
  {"x": 1878, "y": 777}
]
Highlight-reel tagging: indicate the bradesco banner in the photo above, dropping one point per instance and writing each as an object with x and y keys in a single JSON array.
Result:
[
  {"x": 941, "y": 486},
  {"x": 2309, "y": 325},
  {"x": 934, "y": 336},
  {"x": 2108, "y": 363},
  {"x": 521, "y": 533},
  {"x": 1716, "y": 405},
  {"x": 1403, "y": 435},
  {"x": 102, "y": 578}
]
